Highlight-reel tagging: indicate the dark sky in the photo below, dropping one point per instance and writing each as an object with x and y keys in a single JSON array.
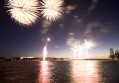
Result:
[{"x": 96, "y": 20}]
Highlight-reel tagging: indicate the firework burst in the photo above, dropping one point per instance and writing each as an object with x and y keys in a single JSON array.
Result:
[
  {"x": 24, "y": 12},
  {"x": 52, "y": 9},
  {"x": 79, "y": 49},
  {"x": 88, "y": 44}
]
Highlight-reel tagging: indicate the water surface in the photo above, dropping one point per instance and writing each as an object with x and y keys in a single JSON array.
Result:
[{"x": 75, "y": 71}]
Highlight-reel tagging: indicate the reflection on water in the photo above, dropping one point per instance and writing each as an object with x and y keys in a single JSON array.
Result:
[
  {"x": 85, "y": 72},
  {"x": 69, "y": 72},
  {"x": 54, "y": 72},
  {"x": 44, "y": 73},
  {"x": 75, "y": 71}
]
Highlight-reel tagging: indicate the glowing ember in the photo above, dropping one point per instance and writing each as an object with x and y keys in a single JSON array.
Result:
[{"x": 48, "y": 39}]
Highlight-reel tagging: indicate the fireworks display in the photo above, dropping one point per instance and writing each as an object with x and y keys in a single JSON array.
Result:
[
  {"x": 24, "y": 12},
  {"x": 80, "y": 49},
  {"x": 77, "y": 48},
  {"x": 52, "y": 9},
  {"x": 88, "y": 44}
]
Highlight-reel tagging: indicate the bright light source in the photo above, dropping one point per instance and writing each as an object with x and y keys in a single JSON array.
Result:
[{"x": 48, "y": 39}]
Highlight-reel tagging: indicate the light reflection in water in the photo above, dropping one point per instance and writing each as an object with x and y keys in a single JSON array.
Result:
[
  {"x": 44, "y": 73},
  {"x": 85, "y": 72},
  {"x": 74, "y": 71},
  {"x": 77, "y": 71}
]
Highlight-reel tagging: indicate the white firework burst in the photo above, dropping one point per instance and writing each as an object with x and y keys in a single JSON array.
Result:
[
  {"x": 79, "y": 49},
  {"x": 88, "y": 44},
  {"x": 25, "y": 12},
  {"x": 52, "y": 9}
]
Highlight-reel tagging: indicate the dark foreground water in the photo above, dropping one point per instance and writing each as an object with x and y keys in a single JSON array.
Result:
[{"x": 75, "y": 71}]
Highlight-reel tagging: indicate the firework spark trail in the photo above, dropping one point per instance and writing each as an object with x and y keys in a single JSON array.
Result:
[
  {"x": 45, "y": 49},
  {"x": 24, "y": 12},
  {"x": 45, "y": 52},
  {"x": 52, "y": 9}
]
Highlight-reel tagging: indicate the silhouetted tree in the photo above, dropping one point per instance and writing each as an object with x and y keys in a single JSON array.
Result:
[
  {"x": 117, "y": 54},
  {"x": 112, "y": 56}
]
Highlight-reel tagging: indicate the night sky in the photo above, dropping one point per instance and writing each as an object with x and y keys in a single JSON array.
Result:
[{"x": 97, "y": 20}]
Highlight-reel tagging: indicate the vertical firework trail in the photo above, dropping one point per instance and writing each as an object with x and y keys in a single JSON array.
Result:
[{"x": 45, "y": 50}]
